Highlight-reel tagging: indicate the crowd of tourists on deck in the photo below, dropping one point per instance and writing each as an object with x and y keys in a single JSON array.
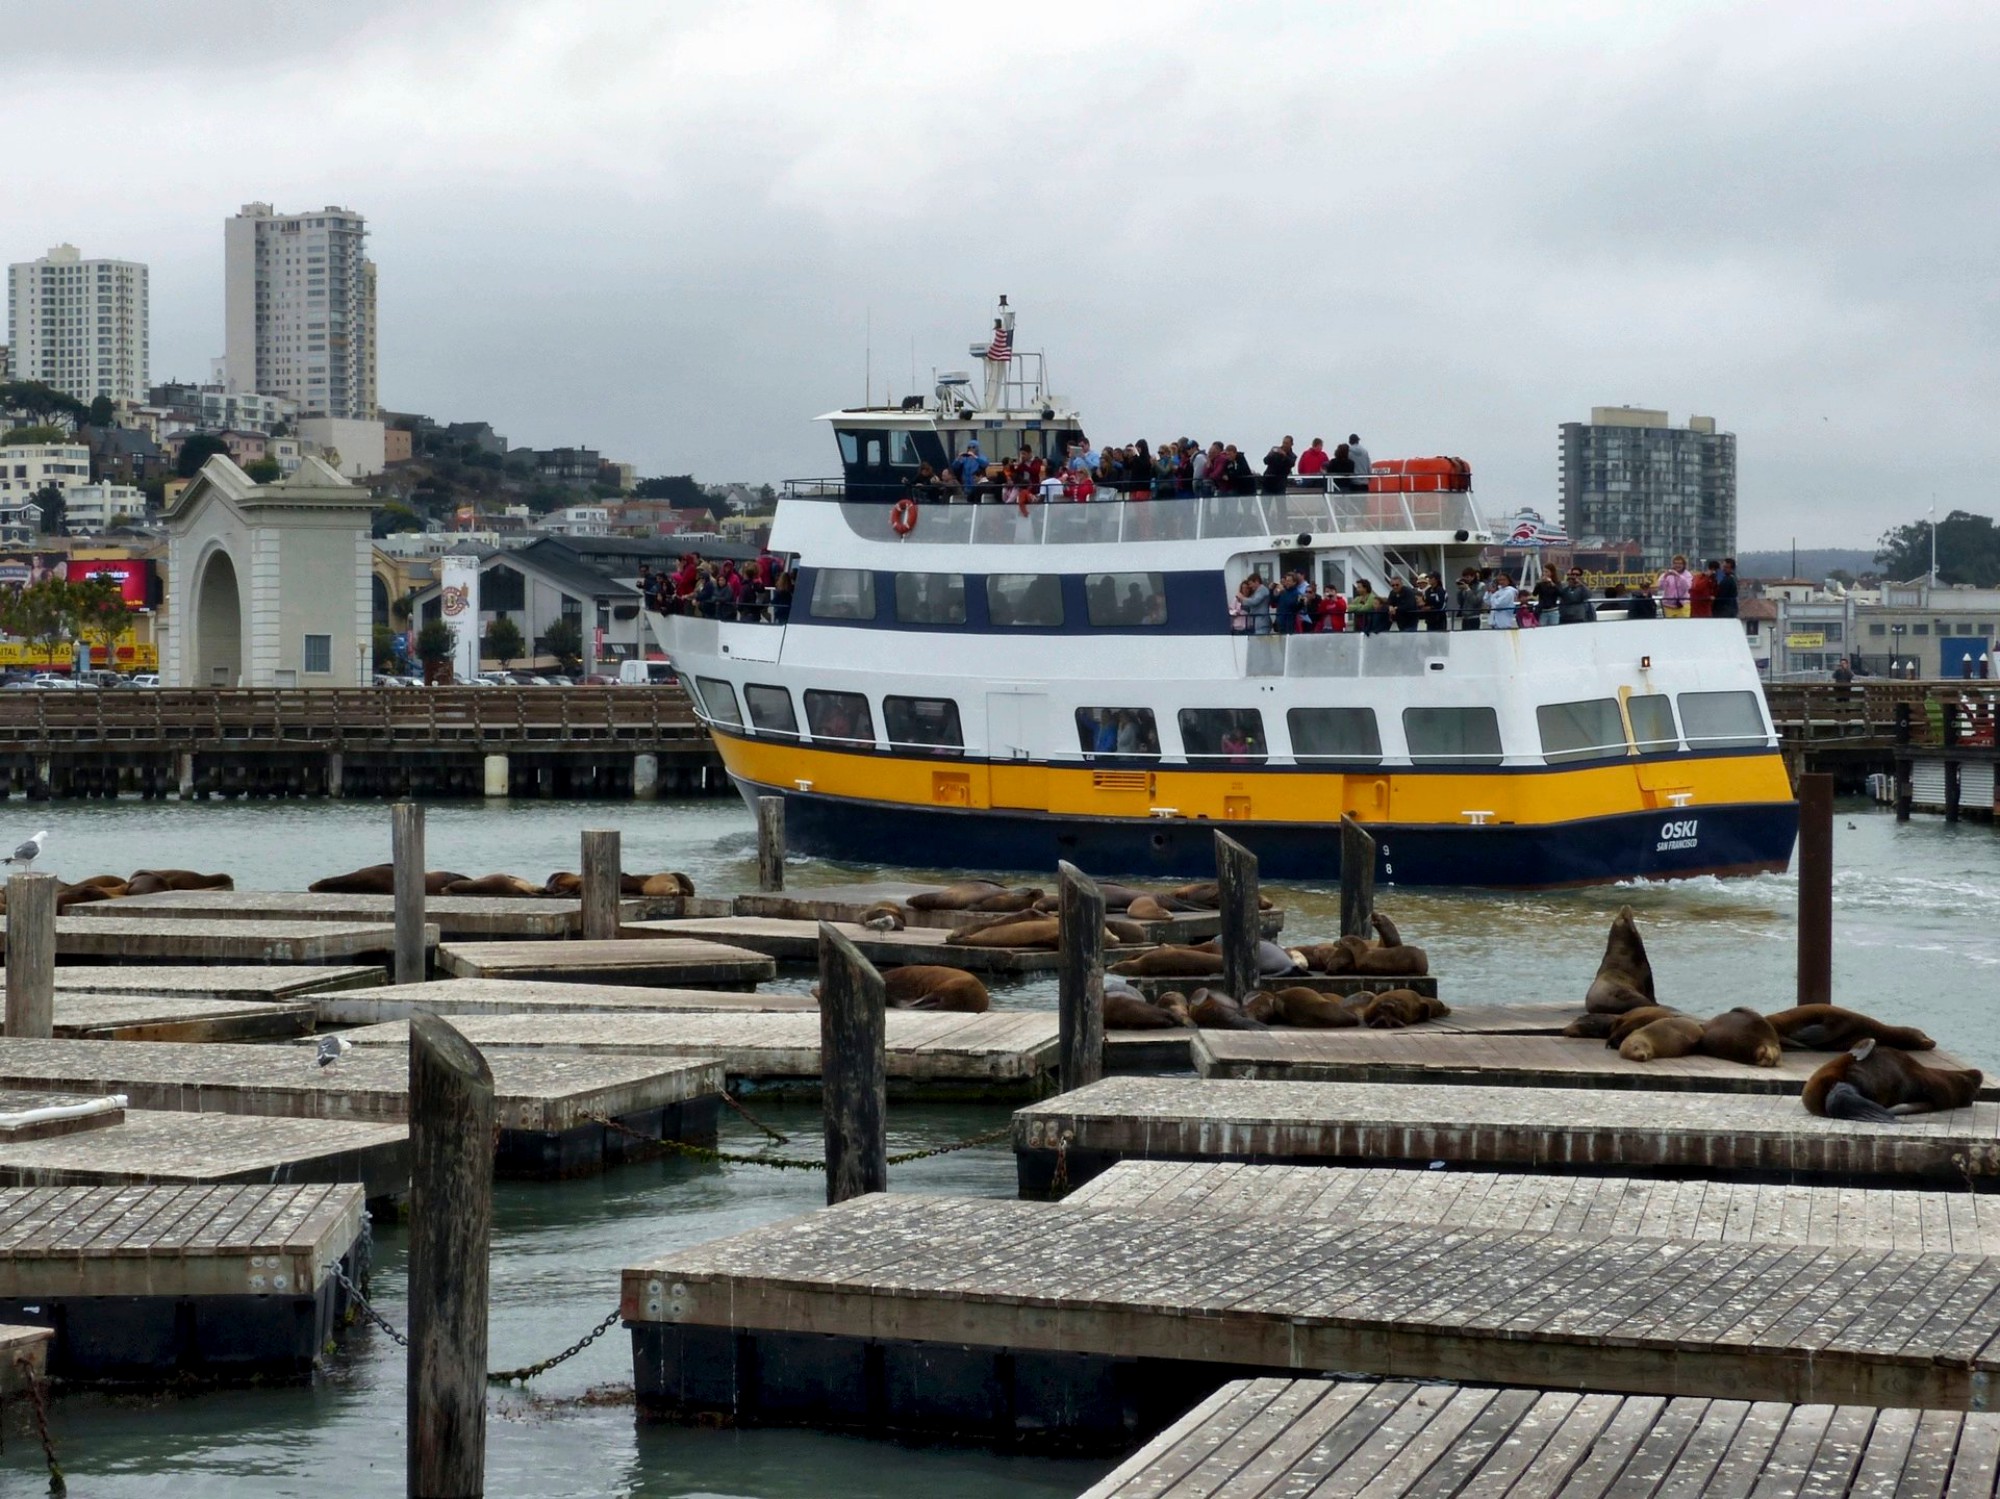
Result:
[
  {"x": 1180, "y": 468},
  {"x": 757, "y": 592},
  {"x": 1481, "y": 598}
]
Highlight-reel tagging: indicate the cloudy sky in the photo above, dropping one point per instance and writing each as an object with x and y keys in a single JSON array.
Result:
[{"x": 673, "y": 231}]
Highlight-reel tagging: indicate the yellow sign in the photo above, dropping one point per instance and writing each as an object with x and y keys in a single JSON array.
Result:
[
  {"x": 128, "y": 655},
  {"x": 1805, "y": 641}
]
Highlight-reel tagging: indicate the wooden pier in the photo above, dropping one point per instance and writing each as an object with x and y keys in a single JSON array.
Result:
[
  {"x": 456, "y": 997},
  {"x": 24, "y": 1357},
  {"x": 1321, "y": 983},
  {"x": 244, "y": 981},
  {"x": 202, "y": 1282},
  {"x": 140, "y": 1017},
  {"x": 849, "y": 903},
  {"x": 1400, "y": 1440},
  {"x": 1711, "y": 1134},
  {"x": 457, "y": 917},
  {"x": 655, "y": 962},
  {"x": 798, "y": 942},
  {"x": 167, "y": 939}
]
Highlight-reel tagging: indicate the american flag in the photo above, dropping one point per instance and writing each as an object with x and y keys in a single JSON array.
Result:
[{"x": 1002, "y": 348}]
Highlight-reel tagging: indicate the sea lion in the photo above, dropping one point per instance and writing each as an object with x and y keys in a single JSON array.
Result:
[
  {"x": 1328, "y": 957},
  {"x": 81, "y": 895},
  {"x": 1171, "y": 962},
  {"x": 1364, "y": 957},
  {"x": 1741, "y": 1035},
  {"x": 1590, "y": 1026},
  {"x": 1005, "y": 900},
  {"x": 1126, "y": 1011},
  {"x": 1262, "y": 1006},
  {"x": 1830, "y": 1028},
  {"x": 153, "y": 881},
  {"x": 1175, "y": 1004},
  {"x": 1624, "y": 978},
  {"x": 1022, "y": 931},
  {"x": 1128, "y": 933},
  {"x": 1273, "y": 961},
  {"x": 1309, "y": 1009},
  {"x": 1148, "y": 908},
  {"x": 1669, "y": 1036},
  {"x": 105, "y": 882},
  {"x": 1206, "y": 896},
  {"x": 1878, "y": 1083},
  {"x": 883, "y": 916},
  {"x": 1385, "y": 929},
  {"x": 957, "y": 897},
  {"x": 491, "y": 884},
  {"x": 666, "y": 882},
  {"x": 568, "y": 882},
  {"x": 378, "y": 879},
  {"x": 1623, "y": 1025},
  {"x": 1218, "y": 1012},
  {"x": 1395, "y": 1009},
  {"x": 933, "y": 986}
]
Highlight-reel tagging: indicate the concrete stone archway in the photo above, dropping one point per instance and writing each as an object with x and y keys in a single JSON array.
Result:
[{"x": 218, "y": 623}]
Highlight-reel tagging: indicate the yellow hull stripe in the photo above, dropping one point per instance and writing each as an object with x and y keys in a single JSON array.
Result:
[{"x": 1535, "y": 798}]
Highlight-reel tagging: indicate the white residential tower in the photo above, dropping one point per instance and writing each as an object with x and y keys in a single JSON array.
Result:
[
  {"x": 299, "y": 310},
  {"x": 79, "y": 325}
]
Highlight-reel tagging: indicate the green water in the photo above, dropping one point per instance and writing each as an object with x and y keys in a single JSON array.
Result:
[{"x": 1915, "y": 941}]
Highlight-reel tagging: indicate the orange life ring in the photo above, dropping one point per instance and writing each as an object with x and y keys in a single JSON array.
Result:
[{"x": 903, "y": 519}]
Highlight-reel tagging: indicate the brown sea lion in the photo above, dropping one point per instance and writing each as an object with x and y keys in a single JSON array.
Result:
[
  {"x": 1384, "y": 962},
  {"x": 1206, "y": 896},
  {"x": 883, "y": 916},
  {"x": 106, "y": 882},
  {"x": 1262, "y": 1006},
  {"x": 666, "y": 882},
  {"x": 1830, "y": 1028},
  {"x": 1309, "y": 1009},
  {"x": 1175, "y": 1004},
  {"x": 1624, "y": 978},
  {"x": 1878, "y": 1083},
  {"x": 1171, "y": 962},
  {"x": 1623, "y": 1025},
  {"x": 1385, "y": 930},
  {"x": 1742, "y": 1035},
  {"x": 1126, "y": 1011},
  {"x": 1590, "y": 1027},
  {"x": 1328, "y": 957},
  {"x": 1005, "y": 900},
  {"x": 1128, "y": 933},
  {"x": 153, "y": 881},
  {"x": 1218, "y": 1012},
  {"x": 1669, "y": 1036},
  {"x": 376, "y": 879},
  {"x": 81, "y": 895},
  {"x": 957, "y": 897},
  {"x": 1394, "y": 1009},
  {"x": 568, "y": 882},
  {"x": 492, "y": 884},
  {"x": 933, "y": 986},
  {"x": 1021, "y": 931},
  {"x": 1148, "y": 908}
]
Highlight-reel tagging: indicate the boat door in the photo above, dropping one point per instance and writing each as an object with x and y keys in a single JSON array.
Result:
[{"x": 1017, "y": 747}]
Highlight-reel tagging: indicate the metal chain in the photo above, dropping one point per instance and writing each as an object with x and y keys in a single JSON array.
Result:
[
  {"x": 361, "y": 1304},
  {"x": 38, "y": 1395},
  {"x": 529, "y": 1371},
  {"x": 1059, "y": 1180},
  {"x": 753, "y": 1119}
]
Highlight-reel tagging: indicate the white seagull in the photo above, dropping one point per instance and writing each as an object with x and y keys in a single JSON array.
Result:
[
  {"x": 28, "y": 852},
  {"x": 331, "y": 1048}
]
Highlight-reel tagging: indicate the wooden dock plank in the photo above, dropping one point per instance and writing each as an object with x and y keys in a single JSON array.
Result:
[
  {"x": 1344, "y": 983},
  {"x": 455, "y": 916},
  {"x": 798, "y": 942},
  {"x": 165, "y": 939},
  {"x": 24, "y": 1356},
  {"x": 453, "y": 997},
  {"x": 239, "y": 981},
  {"x": 1711, "y": 1134},
  {"x": 142, "y": 1017},
  {"x": 849, "y": 903},
  {"x": 656, "y": 962}
]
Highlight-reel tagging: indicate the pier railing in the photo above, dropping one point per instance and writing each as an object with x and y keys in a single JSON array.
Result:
[{"x": 1885, "y": 713}]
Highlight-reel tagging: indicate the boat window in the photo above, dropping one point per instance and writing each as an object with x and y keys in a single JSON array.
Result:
[
  {"x": 1109, "y": 735},
  {"x": 771, "y": 710},
  {"x": 1587, "y": 730},
  {"x": 1722, "y": 720},
  {"x": 1024, "y": 599},
  {"x": 843, "y": 593},
  {"x": 930, "y": 598},
  {"x": 1328, "y": 734},
  {"x": 840, "y": 717},
  {"x": 1231, "y": 736},
  {"x": 1126, "y": 598},
  {"x": 850, "y": 448},
  {"x": 903, "y": 450},
  {"x": 719, "y": 698},
  {"x": 1452, "y": 736},
  {"x": 929, "y": 723},
  {"x": 1652, "y": 717}
]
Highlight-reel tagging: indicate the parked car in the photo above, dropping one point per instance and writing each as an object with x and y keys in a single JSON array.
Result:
[
  {"x": 146, "y": 679},
  {"x": 645, "y": 673},
  {"x": 48, "y": 681}
]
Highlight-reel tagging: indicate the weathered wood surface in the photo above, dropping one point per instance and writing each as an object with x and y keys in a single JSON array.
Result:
[
  {"x": 922, "y": 1045},
  {"x": 1146, "y": 1053},
  {"x": 798, "y": 942},
  {"x": 214, "y": 1240},
  {"x": 372, "y": 1006},
  {"x": 31, "y": 956},
  {"x": 651, "y": 960},
  {"x": 224, "y": 981},
  {"x": 848, "y": 903},
  {"x": 143, "y": 1017},
  {"x": 1815, "y": 955},
  {"x": 409, "y": 960},
  {"x": 853, "y": 1044},
  {"x": 24, "y": 1356},
  {"x": 1343, "y": 983},
  {"x": 770, "y": 843},
  {"x": 538, "y": 1090},
  {"x": 1265, "y": 1437},
  {"x": 1421, "y": 1055},
  {"x": 1749, "y": 1321},
  {"x": 600, "y": 860},
  {"x": 1080, "y": 980},
  {"x": 150, "y": 1145},
  {"x": 1357, "y": 879},
  {"x": 1703, "y": 1133},
  {"x": 38, "y": 1116},
  {"x": 166, "y": 939},
  {"x": 1236, "y": 885},
  {"x": 1628, "y": 1207},
  {"x": 461, "y": 916}
]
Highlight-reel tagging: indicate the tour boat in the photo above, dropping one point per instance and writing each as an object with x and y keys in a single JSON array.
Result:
[{"x": 998, "y": 686}]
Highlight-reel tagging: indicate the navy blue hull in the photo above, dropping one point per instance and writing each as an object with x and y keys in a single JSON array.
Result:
[{"x": 1655, "y": 845}]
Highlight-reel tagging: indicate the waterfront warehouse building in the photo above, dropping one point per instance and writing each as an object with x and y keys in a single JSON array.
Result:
[
  {"x": 299, "y": 310},
  {"x": 79, "y": 325},
  {"x": 1629, "y": 476}
]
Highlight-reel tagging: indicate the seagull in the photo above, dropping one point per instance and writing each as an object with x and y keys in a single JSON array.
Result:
[
  {"x": 28, "y": 852},
  {"x": 331, "y": 1048}
]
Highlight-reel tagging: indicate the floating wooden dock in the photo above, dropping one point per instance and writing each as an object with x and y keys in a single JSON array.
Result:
[
  {"x": 849, "y": 903},
  {"x": 1008, "y": 1050},
  {"x": 203, "y": 1282},
  {"x": 247, "y": 981},
  {"x": 455, "y": 997},
  {"x": 1323, "y": 983},
  {"x": 656, "y": 962},
  {"x": 1420, "y": 1055},
  {"x": 1710, "y": 1134},
  {"x": 24, "y": 1357},
  {"x": 972, "y": 1317},
  {"x": 1401, "y": 1440},
  {"x": 549, "y": 1103},
  {"x": 1628, "y": 1207},
  {"x": 798, "y": 942},
  {"x": 141, "y": 1017},
  {"x": 455, "y": 916},
  {"x": 168, "y": 939}
]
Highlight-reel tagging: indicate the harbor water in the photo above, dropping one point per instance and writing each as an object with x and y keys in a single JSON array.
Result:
[{"x": 1916, "y": 941}]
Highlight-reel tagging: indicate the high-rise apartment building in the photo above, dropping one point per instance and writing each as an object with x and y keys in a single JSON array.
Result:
[
  {"x": 79, "y": 325},
  {"x": 1629, "y": 476},
  {"x": 299, "y": 310}
]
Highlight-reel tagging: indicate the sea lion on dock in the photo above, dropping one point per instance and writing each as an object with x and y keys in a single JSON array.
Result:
[
  {"x": 1309, "y": 1009},
  {"x": 379, "y": 879},
  {"x": 1273, "y": 961},
  {"x": 492, "y": 885},
  {"x": 1366, "y": 958},
  {"x": 1125, "y": 1010},
  {"x": 1175, "y": 1004},
  {"x": 1878, "y": 1083},
  {"x": 957, "y": 897},
  {"x": 1128, "y": 933},
  {"x": 1262, "y": 1006},
  {"x": 934, "y": 986},
  {"x": 1624, "y": 978},
  {"x": 1148, "y": 908},
  {"x": 153, "y": 881},
  {"x": 1019, "y": 931},
  {"x": 1621, "y": 1026},
  {"x": 1669, "y": 1036},
  {"x": 1397, "y": 1009},
  {"x": 1005, "y": 900},
  {"x": 665, "y": 882},
  {"x": 1385, "y": 930},
  {"x": 81, "y": 895},
  {"x": 1218, "y": 1012},
  {"x": 566, "y": 882},
  {"x": 1830, "y": 1028},
  {"x": 1171, "y": 962},
  {"x": 1741, "y": 1035},
  {"x": 1206, "y": 896},
  {"x": 112, "y": 882},
  {"x": 883, "y": 916},
  {"x": 1590, "y": 1026},
  {"x": 1328, "y": 957}
]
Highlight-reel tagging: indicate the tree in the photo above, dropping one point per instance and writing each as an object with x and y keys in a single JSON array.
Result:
[
  {"x": 564, "y": 641},
  {"x": 44, "y": 401},
  {"x": 386, "y": 659},
  {"x": 39, "y": 612},
  {"x": 102, "y": 412},
  {"x": 49, "y": 500},
  {"x": 402, "y": 608},
  {"x": 1968, "y": 550},
  {"x": 393, "y": 517},
  {"x": 678, "y": 490},
  {"x": 436, "y": 643},
  {"x": 196, "y": 451},
  {"x": 264, "y": 470},
  {"x": 99, "y": 612},
  {"x": 503, "y": 642},
  {"x": 40, "y": 432}
]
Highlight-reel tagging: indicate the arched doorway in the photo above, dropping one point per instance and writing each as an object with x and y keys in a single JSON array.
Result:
[
  {"x": 218, "y": 624},
  {"x": 378, "y": 599}
]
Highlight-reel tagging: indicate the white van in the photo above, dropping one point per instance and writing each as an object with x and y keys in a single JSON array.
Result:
[{"x": 645, "y": 673}]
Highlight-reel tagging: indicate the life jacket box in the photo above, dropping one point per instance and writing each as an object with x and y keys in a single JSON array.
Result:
[{"x": 1419, "y": 475}]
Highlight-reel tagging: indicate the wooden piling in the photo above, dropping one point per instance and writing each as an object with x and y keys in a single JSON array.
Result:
[
  {"x": 770, "y": 843},
  {"x": 1080, "y": 979},
  {"x": 1357, "y": 879},
  {"x": 31, "y": 955},
  {"x": 853, "y": 1073},
  {"x": 451, "y": 1223},
  {"x": 601, "y": 869},
  {"x": 1815, "y": 889},
  {"x": 1236, "y": 879},
  {"x": 1953, "y": 784},
  {"x": 406, "y": 840}
]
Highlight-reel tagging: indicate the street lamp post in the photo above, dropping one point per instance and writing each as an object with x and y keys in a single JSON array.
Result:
[{"x": 1895, "y": 659}]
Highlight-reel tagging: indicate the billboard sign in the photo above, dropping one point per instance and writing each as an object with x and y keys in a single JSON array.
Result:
[
  {"x": 134, "y": 576},
  {"x": 458, "y": 596}
]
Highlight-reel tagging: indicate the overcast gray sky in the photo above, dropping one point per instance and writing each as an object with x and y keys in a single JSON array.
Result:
[{"x": 664, "y": 229}]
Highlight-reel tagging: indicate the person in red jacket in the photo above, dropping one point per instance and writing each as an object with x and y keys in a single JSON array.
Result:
[{"x": 1701, "y": 593}]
